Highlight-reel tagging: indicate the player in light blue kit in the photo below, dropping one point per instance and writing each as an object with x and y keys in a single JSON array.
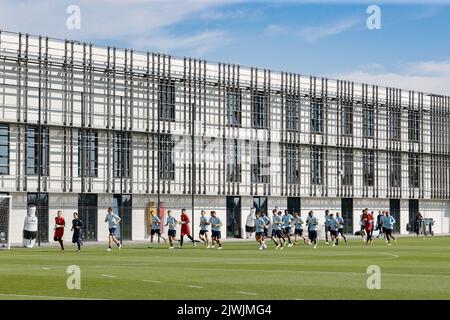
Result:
[
  {"x": 287, "y": 225},
  {"x": 113, "y": 220},
  {"x": 215, "y": 229},
  {"x": 298, "y": 223},
  {"x": 203, "y": 234},
  {"x": 172, "y": 223},
  {"x": 259, "y": 228},
  {"x": 276, "y": 230},
  {"x": 341, "y": 226},
  {"x": 388, "y": 225},
  {"x": 312, "y": 223},
  {"x": 334, "y": 226}
]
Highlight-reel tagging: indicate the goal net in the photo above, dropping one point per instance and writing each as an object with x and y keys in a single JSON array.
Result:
[{"x": 5, "y": 222}]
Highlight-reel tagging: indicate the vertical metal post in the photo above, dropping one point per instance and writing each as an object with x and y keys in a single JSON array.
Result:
[
  {"x": 121, "y": 167},
  {"x": 193, "y": 166}
]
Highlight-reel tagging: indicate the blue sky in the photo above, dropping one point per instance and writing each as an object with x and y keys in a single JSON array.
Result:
[{"x": 327, "y": 38}]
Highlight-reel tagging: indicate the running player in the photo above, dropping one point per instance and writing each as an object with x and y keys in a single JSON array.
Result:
[
  {"x": 361, "y": 224},
  {"x": 60, "y": 223},
  {"x": 380, "y": 224},
  {"x": 312, "y": 223},
  {"x": 327, "y": 225},
  {"x": 341, "y": 226},
  {"x": 298, "y": 223},
  {"x": 156, "y": 229},
  {"x": 185, "y": 230},
  {"x": 368, "y": 225},
  {"x": 287, "y": 225},
  {"x": 334, "y": 226},
  {"x": 388, "y": 224},
  {"x": 259, "y": 228},
  {"x": 77, "y": 225},
  {"x": 113, "y": 220},
  {"x": 172, "y": 223},
  {"x": 276, "y": 230},
  {"x": 215, "y": 229},
  {"x": 266, "y": 219},
  {"x": 203, "y": 234}
]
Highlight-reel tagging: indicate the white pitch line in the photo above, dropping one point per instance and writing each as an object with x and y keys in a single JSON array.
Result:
[
  {"x": 196, "y": 287},
  {"x": 45, "y": 268},
  {"x": 44, "y": 297},
  {"x": 152, "y": 281},
  {"x": 245, "y": 292},
  {"x": 108, "y": 276}
]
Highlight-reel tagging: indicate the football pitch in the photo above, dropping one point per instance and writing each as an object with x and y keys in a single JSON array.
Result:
[{"x": 413, "y": 268}]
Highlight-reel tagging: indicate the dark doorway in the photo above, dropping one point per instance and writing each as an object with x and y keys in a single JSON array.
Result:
[
  {"x": 413, "y": 211},
  {"x": 122, "y": 207},
  {"x": 347, "y": 214},
  {"x": 394, "y": 209},
  {"x": 40, "y": 201},
  {"x": 87, "y": 212},
  {"x": 260, "y": 204},
  {"x": 234, "y": 217},
  {"x": 293, "y": 204}
]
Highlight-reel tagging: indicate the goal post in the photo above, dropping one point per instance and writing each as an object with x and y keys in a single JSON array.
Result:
[{"x": 5, "y": 222}]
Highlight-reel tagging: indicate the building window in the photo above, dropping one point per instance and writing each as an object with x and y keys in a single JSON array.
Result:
[
  {"x": 414, "y": 170},
  {"x": 233, "y": 163},
  {"x": 4, "y": 149},
  {"x": 87, "y": 153},
  {"x": 317, "y": 165},
  {"x": 122, "y": 154},
  {"x": 260, "y": 110},
  {"x": 293, "y": 112},
  {"x": 316, "y": 117},
  {"x": 414, "y": 125},
  {"x": 260, "y": 162},
  {"x": 37, "y": 151},
  {"x": 260, "y": 204},
  {"x": 166, "y": 160},
  {"x": 293, "y": 163},
  {"x": 368, "y": 121},
  {"x": 347, "y": 166},
  {"x": 347, "y": 119},
  {"x": 167, "y": 99},
  {"x": 234, "y": 106},
  {"x": 395, "y": 123},
  {"x": 368, "y": 168},
  {"x": 395, "y": 169},
  {"x": 40, "y": 201}
]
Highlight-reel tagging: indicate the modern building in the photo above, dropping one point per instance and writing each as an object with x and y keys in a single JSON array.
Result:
[{"x": 84, "y": 127}]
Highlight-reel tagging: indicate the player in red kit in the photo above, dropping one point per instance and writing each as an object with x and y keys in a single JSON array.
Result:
[
  {"x": 368, "y": 225},
  {"x": 185, "y": 229},
  {"x": 60, "y": 223}
]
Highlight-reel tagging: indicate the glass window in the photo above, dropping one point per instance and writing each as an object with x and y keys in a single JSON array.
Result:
[
  {"x": 167, "y": 99},
  {"x": 122, "y": 206},
  {"x": 166, "y": 154},
  {"x": 414, "y": 119},
  {"x": 37, "y": 151},
  {"x": 87, "y": 153},
  {"x": 316, "y": 117},
  {"x": 347, "y": 166},
  {"x": 395, "y": 123},
  {"x": 316, "y": 165},
  {"x": 122, "y": 154},
  {"x": 347, "y": 119},
  {"x": 260, "y": 162},
  {"x": 40, "y": 201},
  {"x": 368, "y": 121},
  {"x": 4, "y": 149},
  {"x": 368, "y": 168},
  {"x": 234, "y": 106},
  {"x": 293, "y": 112},
  {"x": 260, "y": 204},
  {"x": 414, "y": 170},
  {"x": 260, "y": 110},
  {"x": 233, "y": 162},
  {"x": 293, "y": 163},
  {"x": 395, "y": 169}
]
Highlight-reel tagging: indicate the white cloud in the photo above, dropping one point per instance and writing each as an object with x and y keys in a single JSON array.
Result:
[
  {"x": 314, "y": 33},
  {"x": 425, "y": 76}
]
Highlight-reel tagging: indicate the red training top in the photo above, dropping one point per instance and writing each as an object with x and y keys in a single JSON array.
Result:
[
  {"x": 185, "y": 226},
  {"x": 59, "y": 231},
  {"x": 367, "y": 218}
]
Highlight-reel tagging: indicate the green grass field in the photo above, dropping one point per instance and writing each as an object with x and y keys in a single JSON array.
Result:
[{"x": 413, "y": 268}]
